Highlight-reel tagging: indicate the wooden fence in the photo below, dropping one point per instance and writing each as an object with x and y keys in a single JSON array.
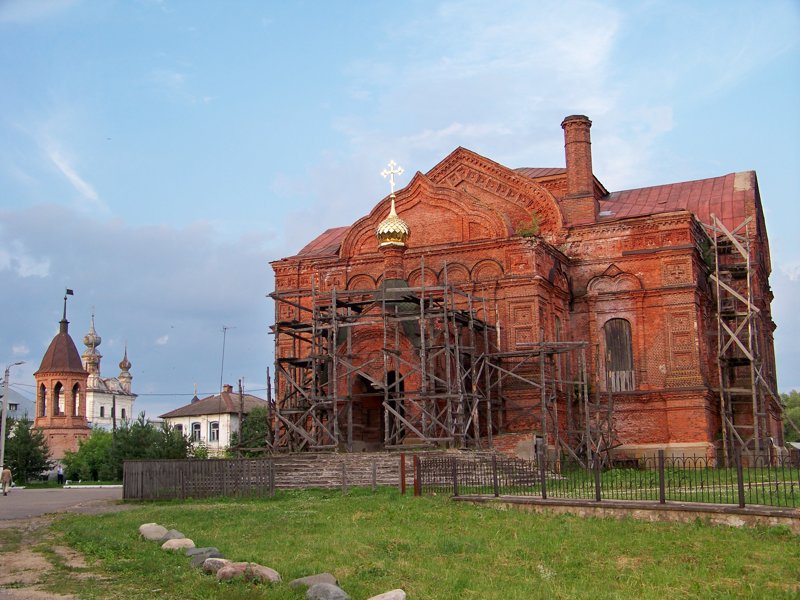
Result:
[{"x": 165, "y": 479}]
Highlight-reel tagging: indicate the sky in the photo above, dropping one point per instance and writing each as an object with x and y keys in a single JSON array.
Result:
[{"x": 156, "y": 155}]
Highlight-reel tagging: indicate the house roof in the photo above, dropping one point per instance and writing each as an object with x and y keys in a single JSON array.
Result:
[
  {"x": 62, "y": 355},
  {"x": 224, "y": 403},
  {"x": 537, "y": 172},
  {"x": 325, "y": 244},
  {"x": 728, "y": 197}
]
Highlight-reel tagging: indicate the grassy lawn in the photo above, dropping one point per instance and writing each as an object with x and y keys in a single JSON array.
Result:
[{"x": 431, "y": 547}]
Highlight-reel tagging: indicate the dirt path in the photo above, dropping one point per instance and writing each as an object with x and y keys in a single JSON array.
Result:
[{"x": 30, "y": 555}]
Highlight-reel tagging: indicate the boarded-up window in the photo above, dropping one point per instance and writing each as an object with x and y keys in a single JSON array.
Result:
[{"x": 619, "y": 356}]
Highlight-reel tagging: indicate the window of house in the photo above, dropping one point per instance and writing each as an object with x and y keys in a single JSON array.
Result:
[
  {"x": 195, "y": 432},
  {"x": 122, "y": 412},
  {"x": 13, "y": 407},
  {"x": 102, "y": 411},
  {"x": 179, "y": 428},
  {"x": 619, "y": 356},
  {"x": 213, "y": 431}
]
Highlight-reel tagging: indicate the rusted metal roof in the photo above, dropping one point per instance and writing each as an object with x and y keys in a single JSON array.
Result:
[
  {"x": 326, "y": 244},
  {"x": 535, "y": 172},
  {"x": 219, "y": 404},
  {"x": 62, "y": 355},
  {"x": 727, "y": 197}
]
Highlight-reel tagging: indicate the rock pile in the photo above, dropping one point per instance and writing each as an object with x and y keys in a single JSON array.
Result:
[{"x": 322, "y": 586}]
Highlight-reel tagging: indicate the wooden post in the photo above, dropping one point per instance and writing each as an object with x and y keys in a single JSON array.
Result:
[
  {"x": 403, "y": 473},
  {"x": 272, "y": 477},
  {"x": 417, "y": 482}
]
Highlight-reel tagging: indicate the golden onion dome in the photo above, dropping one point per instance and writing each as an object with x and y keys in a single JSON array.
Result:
[{"x": 392, "y": 231}]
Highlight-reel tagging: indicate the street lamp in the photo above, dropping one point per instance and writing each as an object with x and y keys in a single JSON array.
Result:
[{"x": 5, "y": 410}]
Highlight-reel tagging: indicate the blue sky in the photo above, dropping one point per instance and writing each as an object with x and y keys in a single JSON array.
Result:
[{"x": 155, "y": 155}]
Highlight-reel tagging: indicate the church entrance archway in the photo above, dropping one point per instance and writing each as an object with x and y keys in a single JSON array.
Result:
[{"x": 369, "y": 418}]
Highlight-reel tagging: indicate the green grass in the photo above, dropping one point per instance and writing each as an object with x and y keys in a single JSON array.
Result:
[
  {"x": 433, "y": 548},
  {"x": 10, "y": 540}
]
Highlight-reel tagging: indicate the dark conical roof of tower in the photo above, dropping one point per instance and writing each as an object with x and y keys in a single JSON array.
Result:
[{"x": 62, "y": 355}]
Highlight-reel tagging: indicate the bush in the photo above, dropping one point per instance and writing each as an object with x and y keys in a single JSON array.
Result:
[{"x": 100, "y": 457}]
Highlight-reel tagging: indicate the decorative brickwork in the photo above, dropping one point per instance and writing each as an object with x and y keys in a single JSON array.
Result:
[{"x": 543, "y": 255}]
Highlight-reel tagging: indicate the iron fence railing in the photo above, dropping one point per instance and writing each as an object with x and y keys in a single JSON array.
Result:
[{"x": 752, "y": 480}]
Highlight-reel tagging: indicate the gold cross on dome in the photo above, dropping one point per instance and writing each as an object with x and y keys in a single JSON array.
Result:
[{"x": 391, "y": 172}]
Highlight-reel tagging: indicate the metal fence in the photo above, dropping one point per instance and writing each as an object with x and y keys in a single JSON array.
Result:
[{"x": 756, "y": 480}]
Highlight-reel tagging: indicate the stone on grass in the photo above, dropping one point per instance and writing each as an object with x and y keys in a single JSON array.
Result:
[
  {"x": 312, "y": 579},
  {"x": 213, "y": 565},
  {"x": 172, "y": 534},
  {"x": 326, "y": 591},
  {"x": 392, "y": 595},
  {"x": 198, "y": 560},
  {"x": 205, "y": 550},
  {"x": 152, "y": 531},
  {"x": 249, "y": 571},
  {"x": 177, "y": 544}
]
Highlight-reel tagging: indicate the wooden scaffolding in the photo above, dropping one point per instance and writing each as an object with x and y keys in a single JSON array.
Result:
[
  {"x": 747, "y": 387},
  {"x": 440, "y": 373}
]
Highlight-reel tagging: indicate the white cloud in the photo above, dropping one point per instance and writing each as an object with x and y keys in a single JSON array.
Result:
[
  {"x": 83, "y": 187},
  {"x": 792, "y": 271},
  {"x": 162, "y": 341},
  {"x": 20, "y": 350},
  {"x": 26, "y": 11},
  {"x": 16, "y": 258}
]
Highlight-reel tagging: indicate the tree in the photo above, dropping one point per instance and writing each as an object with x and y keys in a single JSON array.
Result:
[
  {"x": 27, "y": 454},
  {"x": 255, "y": 428},
  {"x": 92, "y": 461},
  {"x": 792, "y": 411},
  {"x": 102, "y": 455}
]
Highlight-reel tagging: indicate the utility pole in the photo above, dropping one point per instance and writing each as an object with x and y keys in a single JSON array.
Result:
[
  {"x": 222, "y": 366},
  {"x": 5, "y": 411}
]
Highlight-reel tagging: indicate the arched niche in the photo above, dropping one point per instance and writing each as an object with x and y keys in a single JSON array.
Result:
[
  {"x": 415, "y": 278},
  {"x": 361, "y": 281},
  {"x": 487, "y": 270},
  {"x": 457, "y": 274},
  {"x": 622, "y": 282}
]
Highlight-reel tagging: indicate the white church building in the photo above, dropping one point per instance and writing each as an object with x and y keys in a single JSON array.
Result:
[{"x": 108, "y": 398}]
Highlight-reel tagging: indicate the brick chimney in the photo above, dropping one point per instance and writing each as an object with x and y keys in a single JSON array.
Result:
[
  {"x": 579, "y": 205},
  {"x": 227, "y": 389}
]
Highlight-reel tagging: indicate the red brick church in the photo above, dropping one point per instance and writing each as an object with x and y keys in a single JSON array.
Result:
[{"x": 484, "y": 306}]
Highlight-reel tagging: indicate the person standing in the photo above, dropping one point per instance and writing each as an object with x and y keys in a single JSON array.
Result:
[
  {"x": 5, "y": 479},
  {"x": 60, "y": 475}
]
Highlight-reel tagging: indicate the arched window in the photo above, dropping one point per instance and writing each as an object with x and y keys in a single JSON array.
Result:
[
  {"x": 42, "y": 401},
  {"x": 76, "y": 396},
  {"x": 619, "y": 356},
  {"x": 195, "y": 431},
  {"x": 58, "y": 399},
  {"x": 213, "y": 431}
]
